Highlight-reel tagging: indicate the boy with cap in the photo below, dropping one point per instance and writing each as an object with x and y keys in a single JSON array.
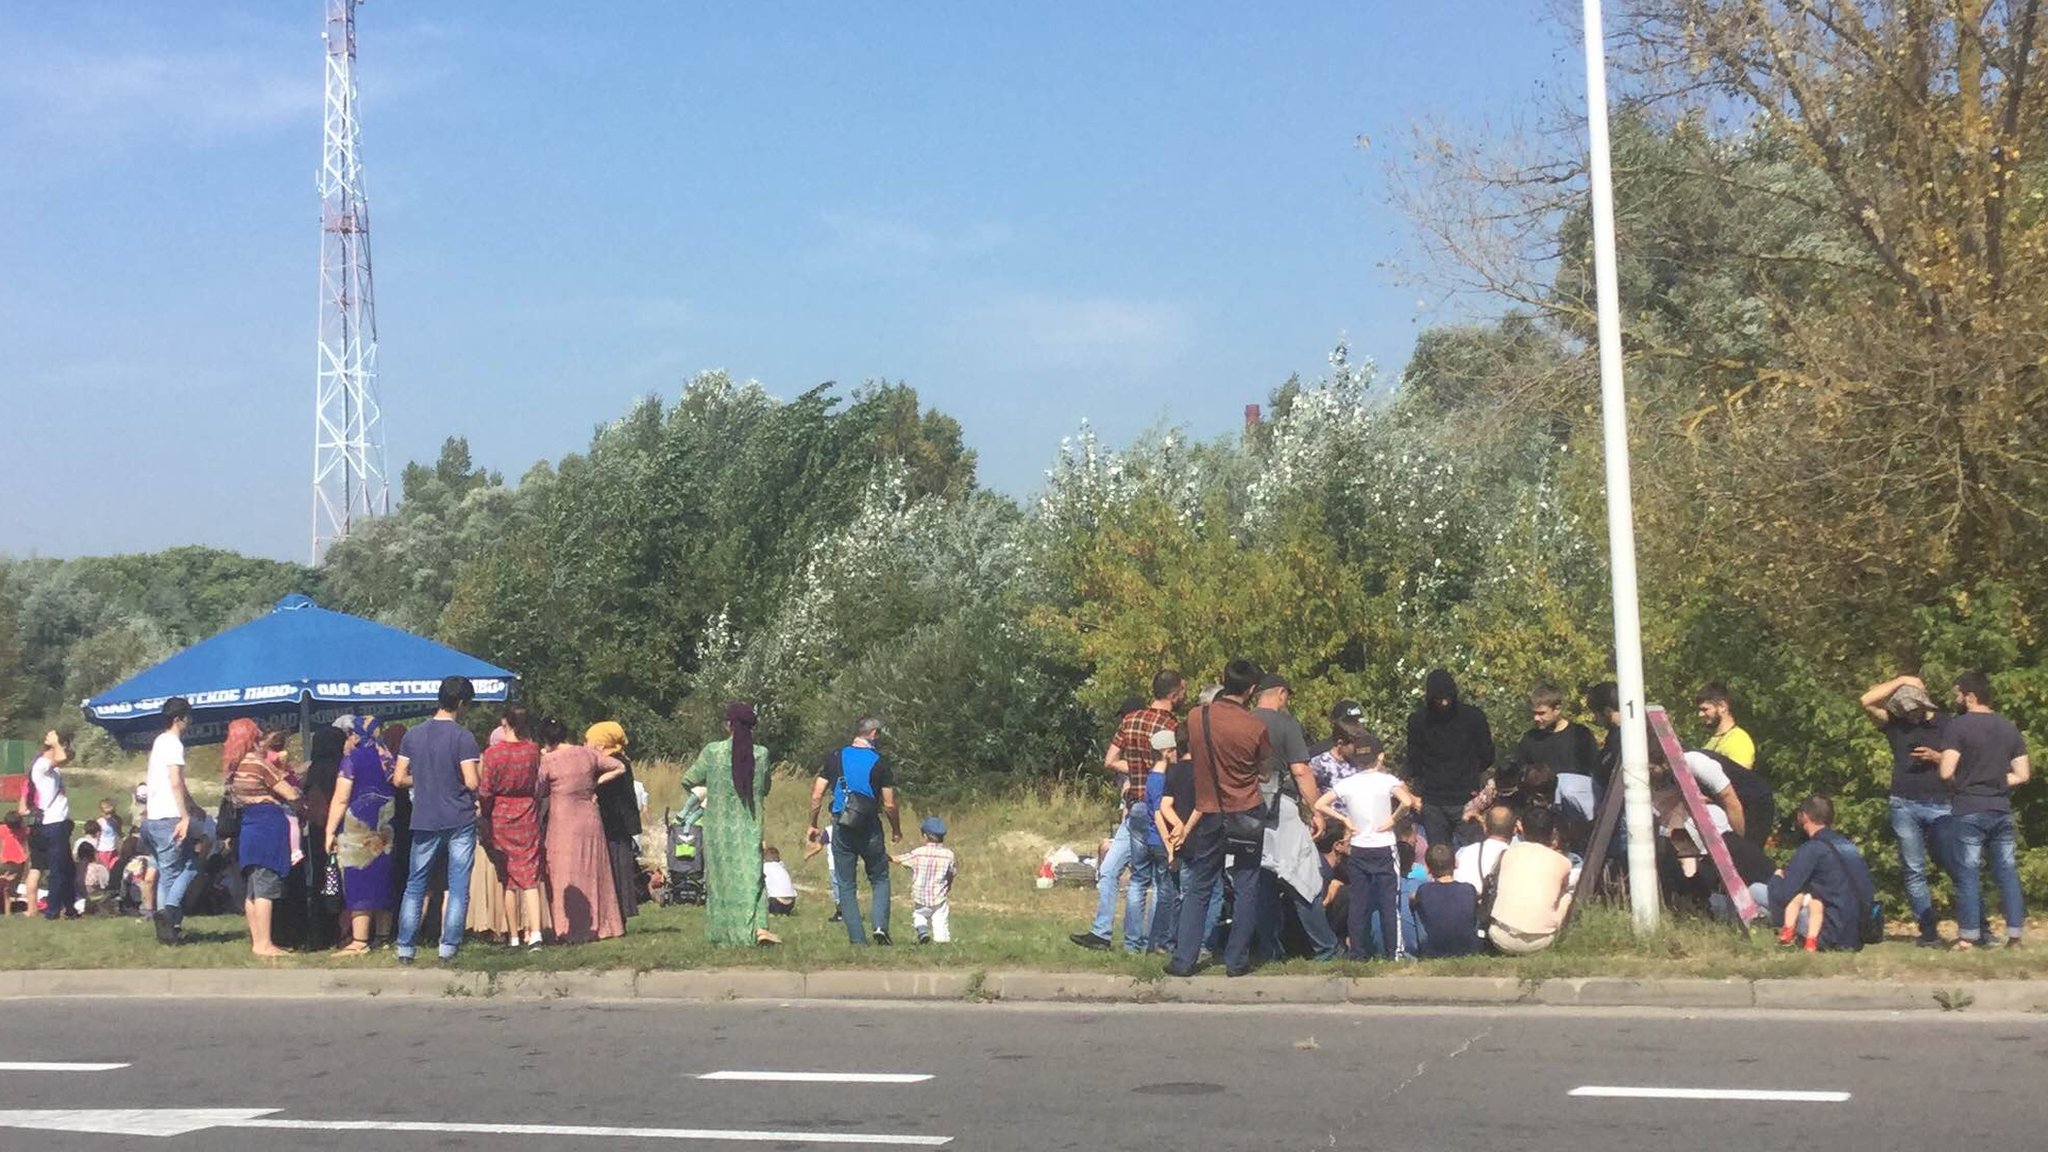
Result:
[{"x": 931, "y": 883}]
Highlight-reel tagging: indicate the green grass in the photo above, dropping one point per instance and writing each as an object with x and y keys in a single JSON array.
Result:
[{"x": 1000, "y": 919}]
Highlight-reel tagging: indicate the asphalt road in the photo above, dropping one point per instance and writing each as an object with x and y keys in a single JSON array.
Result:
[{"x": 1014, "y": 1077}]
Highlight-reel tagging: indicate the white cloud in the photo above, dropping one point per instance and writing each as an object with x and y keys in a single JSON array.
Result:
[
  {"x": 1105, "y": 331},
  {"x": 195, "y": 97}
]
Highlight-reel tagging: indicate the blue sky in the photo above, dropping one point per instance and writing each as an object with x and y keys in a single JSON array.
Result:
[{"x": 1030, "y": 213}]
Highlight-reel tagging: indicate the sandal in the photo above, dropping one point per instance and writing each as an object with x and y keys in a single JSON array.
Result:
[
  {"x": 358, "y": 948},
  {"x": 767, "y": 940}
]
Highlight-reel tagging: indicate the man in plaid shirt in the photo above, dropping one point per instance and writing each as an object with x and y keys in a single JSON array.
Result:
[
  {"x": 931, "y": 883},
  {"x": 1130, "y": 754}
]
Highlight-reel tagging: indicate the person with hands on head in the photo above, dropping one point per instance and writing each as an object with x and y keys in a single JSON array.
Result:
[
  {"x": 50, "y": 836},
  {"x": 863, "y": 790},
  {"x": 1919, "y": 806}
]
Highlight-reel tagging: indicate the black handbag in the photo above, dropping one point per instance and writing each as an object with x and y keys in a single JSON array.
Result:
[
  {"x": 1242, "y": 831},
  {"x": 227, "y": 824}
]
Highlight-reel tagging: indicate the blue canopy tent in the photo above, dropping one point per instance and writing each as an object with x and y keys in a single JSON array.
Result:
[{"x": 300, "y": 664}]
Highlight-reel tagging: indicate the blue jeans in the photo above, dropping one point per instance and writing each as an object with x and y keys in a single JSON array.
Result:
[
  {"x": 1375, "y": 891},
  {"x": 427, "y": 847},
  {"x": 175, "y": 865},
  {"x": 848, "y": 850},
  {"x": 1923, "y": 831},
  {"x": 1148, "y": 874},
  {"x": 1201, "y": 872},
  {"x": 1165, "y": 907},
  {"x": 1275, "y": 897},
  {"x": 1974, "y": 831},
  {"x": 1412, "y": 936},
  {"x": 1109, "y": 883}
]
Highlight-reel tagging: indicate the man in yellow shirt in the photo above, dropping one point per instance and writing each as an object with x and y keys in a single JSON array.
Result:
[{"x": 1726, "y": 736}]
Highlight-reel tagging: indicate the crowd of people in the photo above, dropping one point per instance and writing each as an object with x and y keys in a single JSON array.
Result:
[
  {"x": 1239, "y": 839},
  {"x": 389, "y": 836}
]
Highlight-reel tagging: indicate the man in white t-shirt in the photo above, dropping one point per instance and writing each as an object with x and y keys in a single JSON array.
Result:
[
  {"x": 53, "y": 831},
  {"x": 1368, "y": 802},
  {"x": 167, "y": 820},
  {"x": 1477, "y": 863}
]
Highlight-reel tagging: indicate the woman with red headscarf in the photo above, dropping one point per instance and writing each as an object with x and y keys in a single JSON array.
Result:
[
  {"x": 734, "y": 775},
  {"x": 259, "y": 786}
]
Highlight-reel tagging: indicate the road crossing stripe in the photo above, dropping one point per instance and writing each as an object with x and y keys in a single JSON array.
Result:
[
  {"x": 1766, "y": 1095},
  {"x": 822, "y": 1077}
]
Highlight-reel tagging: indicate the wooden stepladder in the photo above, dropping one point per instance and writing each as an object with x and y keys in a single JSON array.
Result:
[{"x": 1664, "y": 746}]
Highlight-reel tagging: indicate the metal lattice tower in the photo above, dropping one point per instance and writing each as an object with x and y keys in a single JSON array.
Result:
[{"x": 349, "y": 483}]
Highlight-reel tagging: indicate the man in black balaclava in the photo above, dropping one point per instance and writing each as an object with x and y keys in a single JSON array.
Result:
[{"x": 1450, "y": 749}]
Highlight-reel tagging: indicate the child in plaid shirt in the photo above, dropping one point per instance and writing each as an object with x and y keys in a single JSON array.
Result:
[{"x": 931, "y": 883}]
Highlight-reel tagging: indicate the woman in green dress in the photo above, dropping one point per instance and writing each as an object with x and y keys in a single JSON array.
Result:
[{"x": 734, "y": 774}]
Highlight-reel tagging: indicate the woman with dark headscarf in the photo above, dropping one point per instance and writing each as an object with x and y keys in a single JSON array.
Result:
[
  {"x": 734, "y": 775},
  {"x": 359, "y": 830},
  {"x": 618, "y": 801}
]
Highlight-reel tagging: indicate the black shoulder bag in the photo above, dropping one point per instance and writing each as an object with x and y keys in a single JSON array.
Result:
[{"x": 1242, "y": 831}]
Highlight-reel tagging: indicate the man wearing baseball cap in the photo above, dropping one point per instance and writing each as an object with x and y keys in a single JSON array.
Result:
[{"x": 1913, "y": 726}]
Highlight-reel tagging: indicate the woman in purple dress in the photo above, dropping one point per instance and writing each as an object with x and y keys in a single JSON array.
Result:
[{"x": 359, "y": 832}]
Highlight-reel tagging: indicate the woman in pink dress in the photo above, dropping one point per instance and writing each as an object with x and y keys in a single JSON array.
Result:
[{"x": 579, "y": 866}]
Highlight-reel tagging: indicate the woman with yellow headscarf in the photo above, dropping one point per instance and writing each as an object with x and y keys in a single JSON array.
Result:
[{"x": 618, "y": 802}]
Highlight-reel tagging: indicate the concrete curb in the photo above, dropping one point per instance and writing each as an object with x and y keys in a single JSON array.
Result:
[{"x": 1028, "y": 987}]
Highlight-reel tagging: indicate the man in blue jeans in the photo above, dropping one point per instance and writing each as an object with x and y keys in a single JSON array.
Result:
[
  {"x": 167, "y": 820},
  {"x": 438, "y": 760},
  {"x": 1912, "y": 725},
  {"x": 863, "y": 789},
  {"x": 1984, "y": 758},
  {"x": 1129, "y": 756},
  {"x": 1232, "y": 755}
]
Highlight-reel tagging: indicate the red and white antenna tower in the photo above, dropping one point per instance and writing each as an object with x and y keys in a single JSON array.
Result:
[{"x": 349, "y": 483}]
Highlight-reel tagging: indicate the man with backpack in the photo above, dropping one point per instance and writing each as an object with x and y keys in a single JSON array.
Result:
[{"x": 863, "y": 789}]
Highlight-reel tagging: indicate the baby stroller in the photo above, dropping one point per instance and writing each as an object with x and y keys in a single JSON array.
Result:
[{"x": 685, "y": 861}]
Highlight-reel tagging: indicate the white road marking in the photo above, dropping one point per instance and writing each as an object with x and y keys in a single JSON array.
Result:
[
  {"x": 54, "y": 1066},
  {"x": 822, "y": 1077},
  {"x": 180, "y": 1121},
  {"x": 1768, "y": 1095}
]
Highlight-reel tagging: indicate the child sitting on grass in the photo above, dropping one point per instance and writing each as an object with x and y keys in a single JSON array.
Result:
[
  {"x": 931, "y": 884},
  {"x": 1447, "y": 908}
]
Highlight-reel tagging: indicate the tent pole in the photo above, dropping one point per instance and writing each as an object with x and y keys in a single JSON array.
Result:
[{"x": 305, "y": 725}]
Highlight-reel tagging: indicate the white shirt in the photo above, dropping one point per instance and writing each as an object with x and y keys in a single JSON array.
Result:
[
  {"x": 780, "y": 886},
  {"x": 50, "y": 794},
  {"x": 1475, "y": 863},
  {"x": 1368, "y": 799},
  {"x": 1713, "y": 779},
  {"x": 166, "y": 753}
]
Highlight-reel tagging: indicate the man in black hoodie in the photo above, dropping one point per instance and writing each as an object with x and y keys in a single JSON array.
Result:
[{"x": 1450, "y": 749}]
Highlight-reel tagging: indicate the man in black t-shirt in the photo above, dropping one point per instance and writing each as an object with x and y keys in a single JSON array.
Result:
[
  {"x": 1566, "y": 745},
  {"x": 1902, "y": 710},
  {"x": 1984, "y": 758}
]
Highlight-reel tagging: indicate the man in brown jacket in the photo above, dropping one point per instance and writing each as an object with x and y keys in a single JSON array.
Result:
[{"x": 1232, "y": 756}]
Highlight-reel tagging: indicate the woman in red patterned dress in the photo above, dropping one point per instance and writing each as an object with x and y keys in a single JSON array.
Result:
[{"x": 506, "y": 792}]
